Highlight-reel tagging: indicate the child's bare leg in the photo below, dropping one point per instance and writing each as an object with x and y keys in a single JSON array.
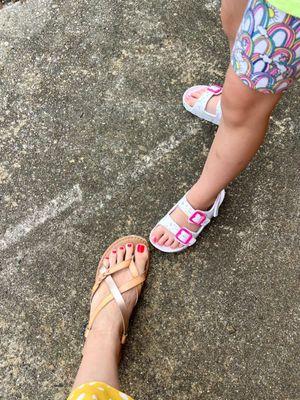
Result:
[
  {"x": 245, "y": 111},
  {"x": 231, "y": 16},
  {"x": 242, "y": 130},
  {"x": 244, "y": 123}
]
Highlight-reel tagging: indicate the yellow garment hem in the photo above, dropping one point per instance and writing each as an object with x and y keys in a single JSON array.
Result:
[
  {"x": 291, "y": 7},
  {"x": 97, "y": 391}
]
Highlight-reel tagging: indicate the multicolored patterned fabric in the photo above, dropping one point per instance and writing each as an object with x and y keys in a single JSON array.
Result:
[
  {"x": 266, "y": 53},
  {"x": 97, "y": 391}
]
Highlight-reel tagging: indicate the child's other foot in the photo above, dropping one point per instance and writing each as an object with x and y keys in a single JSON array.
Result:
[
  {"x": 204, "y": 102},
  {"x": 195, "y": 95}
]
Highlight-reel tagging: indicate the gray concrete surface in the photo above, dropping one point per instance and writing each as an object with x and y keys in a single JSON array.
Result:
[{"x": 95, "y": 144}]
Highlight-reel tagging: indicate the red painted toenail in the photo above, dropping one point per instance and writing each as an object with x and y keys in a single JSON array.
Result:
[
  {"x": 114, "y": 251},
  {"x": 129, "y": 244},
  {"x": 140, "y": 248},
  {"x": 122, "y": 248}
]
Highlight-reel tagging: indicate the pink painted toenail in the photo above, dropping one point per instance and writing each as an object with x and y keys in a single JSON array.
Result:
[
  {"x": 154, "y": 239},
  {"x": 114, "y": 251},
  {"x": 140, "y": 248}
]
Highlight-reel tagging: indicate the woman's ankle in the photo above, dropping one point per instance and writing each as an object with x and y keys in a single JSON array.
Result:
[
  {"x": 101, "y": 356},
  {"x": 98, "y": 339}
]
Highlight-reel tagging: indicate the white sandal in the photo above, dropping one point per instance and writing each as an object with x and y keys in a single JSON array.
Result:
[
  {"x": 197, "y": 217},
  {"x": 199, "y": 108}
]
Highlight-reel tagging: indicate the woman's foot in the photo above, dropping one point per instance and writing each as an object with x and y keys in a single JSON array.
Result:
[
  {"x": 109, "y": 320},
  {"x": 101, "y": 353}
]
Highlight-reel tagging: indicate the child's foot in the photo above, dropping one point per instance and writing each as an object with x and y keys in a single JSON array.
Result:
[
  {"x": 109, "y": 319},
  {"x": 184, "y": 222},
  {"x": 204, "y": 102},
  {"x": 194, "y": 96}
]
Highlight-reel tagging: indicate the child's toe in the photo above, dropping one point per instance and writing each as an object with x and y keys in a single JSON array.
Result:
[
  {"x": 163, "y": 239},
  {"x": 157, "y": 234},
  {"x": 169, "y": 242},
  {"x": 175, "y": 245}
]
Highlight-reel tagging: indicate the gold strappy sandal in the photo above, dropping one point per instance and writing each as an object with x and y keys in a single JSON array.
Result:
[{"x": 106, "y": 275}]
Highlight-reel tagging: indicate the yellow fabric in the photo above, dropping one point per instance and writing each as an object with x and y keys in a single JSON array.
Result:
[
  {"x": 97, "y": 391},
  {"x": 289, "y": 6}
]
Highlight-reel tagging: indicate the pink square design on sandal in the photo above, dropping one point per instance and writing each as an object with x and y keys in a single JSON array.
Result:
[
  {"x": 215, "y": 91},
  {"x": 197, "y": 218},
  {"x": 184, "y": 236}
]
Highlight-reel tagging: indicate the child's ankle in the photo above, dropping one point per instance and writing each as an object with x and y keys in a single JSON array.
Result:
[{"x": 198, "y": 201}]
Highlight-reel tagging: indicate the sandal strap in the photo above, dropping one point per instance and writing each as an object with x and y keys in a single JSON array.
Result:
[
  {"x": 116, "y": 294},
  {"x": 103, "y": 274},
  {"x": 219, "y": 111},
  {"x": 196, "y": 217},
  {"x": 199, "y": 108},
  {"x": 183, "y": 235},
  {"x": 119, "y": 300}
]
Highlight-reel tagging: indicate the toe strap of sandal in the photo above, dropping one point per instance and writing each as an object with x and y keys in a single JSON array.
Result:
[
  {"x": 103, "y": 273},
  {"x": 116, "y": 293},
  {"x": 201, "y": 103},
  {"x": 182, "y": 234}
]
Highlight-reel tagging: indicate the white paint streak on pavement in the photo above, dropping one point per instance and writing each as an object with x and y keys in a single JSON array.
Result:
[
  {"x": 158, "y": 153},
  {"x": 62, "y": 202},
  {"x": 56, "y": 206}
]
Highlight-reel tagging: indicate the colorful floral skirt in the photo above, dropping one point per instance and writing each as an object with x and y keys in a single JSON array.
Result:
[{"x": 266, "y": 53}]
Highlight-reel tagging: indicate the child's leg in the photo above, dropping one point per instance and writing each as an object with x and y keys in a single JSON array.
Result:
[
  {"x": 245, "y": 111},
  {"x": 242, "y": 130},
  {"x": 231, "y": 16},
  {"x": 244, "y": 123}
]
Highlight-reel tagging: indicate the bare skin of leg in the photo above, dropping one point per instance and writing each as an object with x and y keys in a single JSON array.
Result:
[
  {"x": 103, "y": 345},
  {"x": 231, "y": 16},
  {"x": 245, "y": 117}
]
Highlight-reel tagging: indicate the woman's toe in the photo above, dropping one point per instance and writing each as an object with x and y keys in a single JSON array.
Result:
[
  {"x": 120, "y": 254},
  {"x": 141, "y": 256},
  {"x": 113, "y": 257},
  {"x": 129, "y": 251},
  {"x": 106, "y": 262}
]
